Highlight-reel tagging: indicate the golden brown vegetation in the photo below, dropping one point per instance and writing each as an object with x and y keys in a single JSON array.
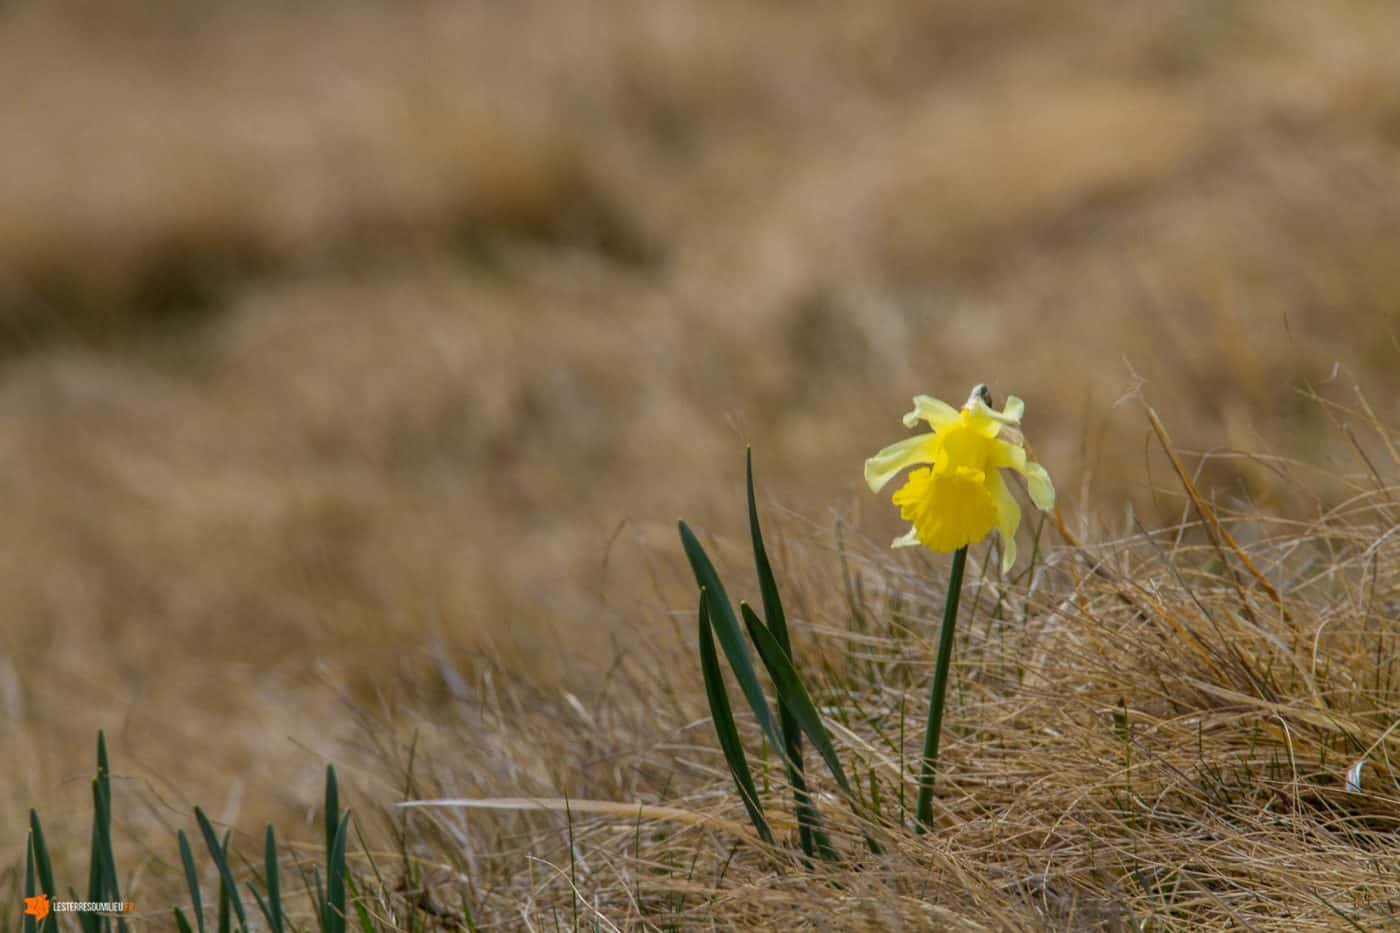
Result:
[
  {"x": 357, "y": 361},
  {"x": 1146, "y": 735}
]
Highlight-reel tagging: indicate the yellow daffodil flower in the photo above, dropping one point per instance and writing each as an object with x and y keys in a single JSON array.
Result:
[{"x": 957, "y": 494}]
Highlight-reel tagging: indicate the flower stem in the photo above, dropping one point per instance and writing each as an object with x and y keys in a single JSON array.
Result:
[{"x": 923, "y": 811}]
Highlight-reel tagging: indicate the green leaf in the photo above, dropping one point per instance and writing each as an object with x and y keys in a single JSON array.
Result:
[
  {"x": 181, "y": 923},
  {"x": 335, "y": 878},
  {"x": 192, "y": 880},
  {"x": 332, "y": 815},
  {"x": 102, "y": 804},
  {"x": 790, "y": 688},
  {"x": 102, "y": 874},
  {"x": 103, "y": 766},
  {"x": 810, "y": 835},
  {"x": 90, "y": 922},
  {"x": 228, "y": 888},
  {"x": 41, "y": 856},
  {"x": 225, "y": 921},
  {"x": 333, "y": 905},
  {"x": 731, "y": 637},
  {"x": 262, "y": 904},
  {"x": 87, "y": 922},
  {"x": 361, "y": 914},
  {"x": 273, "y": 911},
  {"x": 29, "y": 922},
  {"x": 320, "y": 897},
  {"x": 724, "y": 723},
  {"x": 767, "y": 585}
]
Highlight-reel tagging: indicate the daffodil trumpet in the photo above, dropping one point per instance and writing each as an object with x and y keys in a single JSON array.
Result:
[{"x": 955, "y": 496}]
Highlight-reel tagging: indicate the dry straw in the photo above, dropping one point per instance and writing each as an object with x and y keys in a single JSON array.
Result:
[{"x": 1160, "y": 730}]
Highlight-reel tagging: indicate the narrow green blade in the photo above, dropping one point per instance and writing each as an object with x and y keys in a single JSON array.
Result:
[
  {"x": 262, "y": 904},
  {"x": 100, "y": 881},
  {"x": 101, "y": 870},
  {"x": 790, "y": 688},
  {"x": 102, "y": 802},
  {"x": 181, "y": 923},
  {"x": 227, "y": 892},
  {"x": 731, "y": 637},
  {"x": 91, "y": 922},
  {"x": 220, "y": 856},
  {"x": 192, "y": 880},
  {"x": 85, "y": 921},
  {"x": 29, "y": 924},
  {"x": 41, "y": 856},
  {"x": 767, "y": 585},
  {"x": 103, "y": 766},
  {"x": 225, "y": 920},
  {"x": 320, "y": 897},
  {"x": 361, "y": 914},
  {"x": 104, "y": 787},
  {"x": 723, "y": 720},
  {"x": 810, "y": 835},
  {"x": 274, "y": 883},
  {"x": 332, "y": 815},
  {"x": 335, "y": 878}
]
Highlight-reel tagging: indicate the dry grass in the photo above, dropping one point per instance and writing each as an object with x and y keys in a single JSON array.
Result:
[
  {"x": 1144, "y": 735},
  {"x": 357, "y": 362}
]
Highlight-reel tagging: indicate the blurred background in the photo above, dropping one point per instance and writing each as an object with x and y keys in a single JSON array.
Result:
[{"x": 340, "y": 339}]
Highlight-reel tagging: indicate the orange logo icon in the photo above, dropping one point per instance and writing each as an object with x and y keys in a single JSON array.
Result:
[{"x": 37, "y": 907}]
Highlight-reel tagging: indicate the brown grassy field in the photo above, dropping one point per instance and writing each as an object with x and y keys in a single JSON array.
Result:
[{"x": 358, "y": 360}]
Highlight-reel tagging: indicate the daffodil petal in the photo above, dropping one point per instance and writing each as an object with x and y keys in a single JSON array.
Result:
[
  {"x": 981, "y": 422},
  {"x": 1007, "y": 456},
  {"x": 935, "y": 411},
  {"x": 1041, "y": 489},
  {"x": 909, "y": 539},
  {"x": 882, "y": 467},
  {"x": 1015, "y": 408},
  {"x": 1008, "y": 518}
]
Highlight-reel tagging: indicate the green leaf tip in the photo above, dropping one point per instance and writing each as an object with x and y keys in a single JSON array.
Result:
[{"x": 729, "y": 633}]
